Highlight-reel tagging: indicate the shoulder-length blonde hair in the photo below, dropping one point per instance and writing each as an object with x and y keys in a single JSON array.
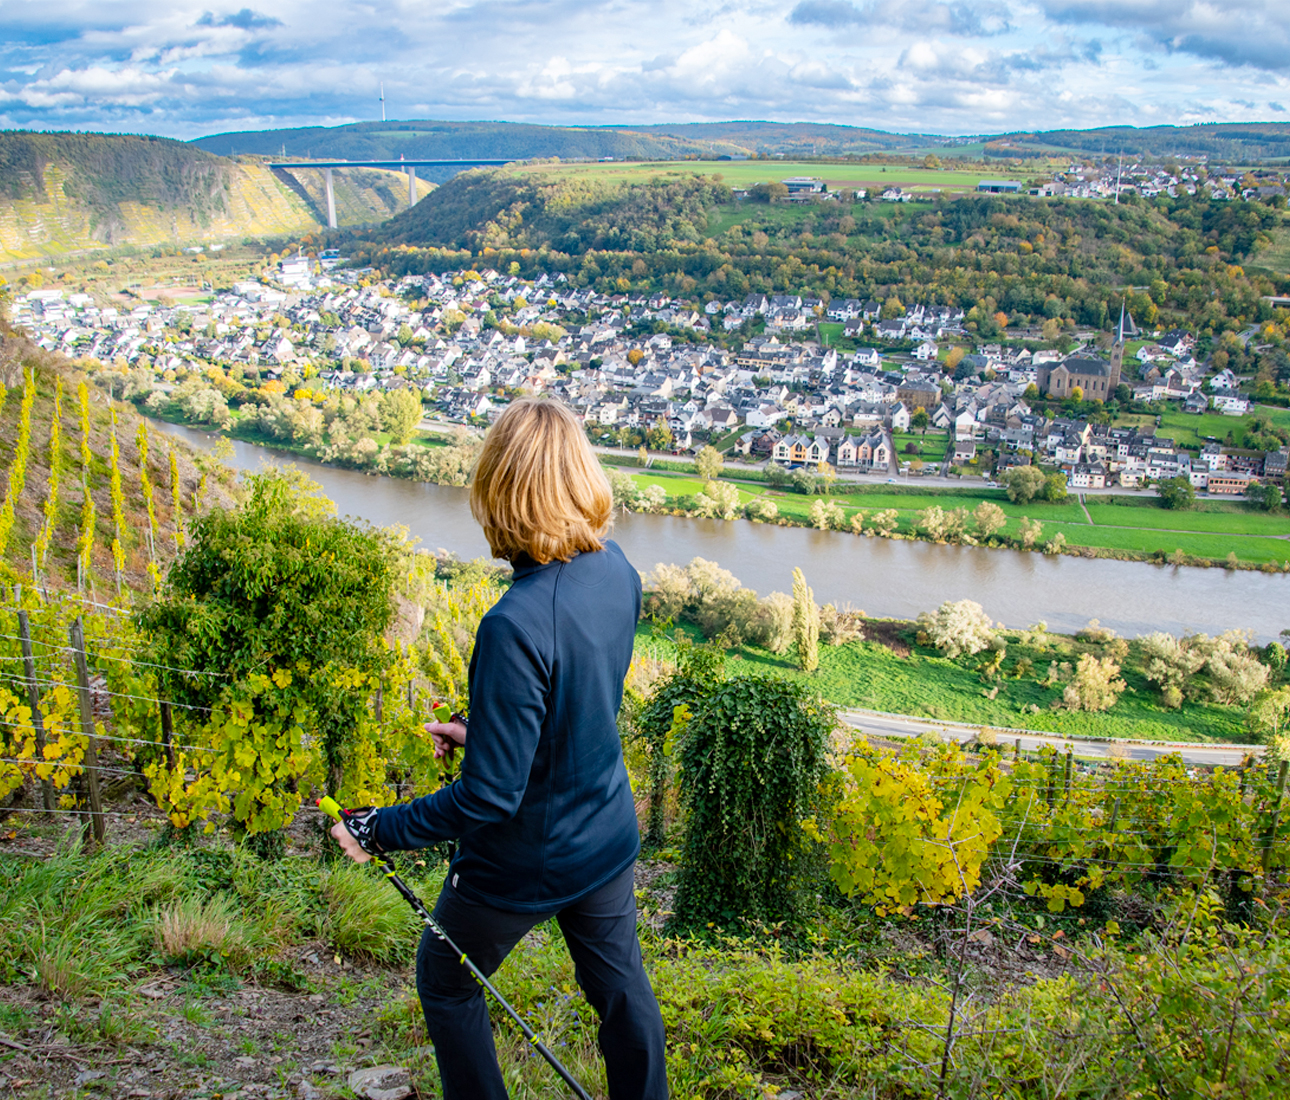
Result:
[{"x": 537, "y": 487}]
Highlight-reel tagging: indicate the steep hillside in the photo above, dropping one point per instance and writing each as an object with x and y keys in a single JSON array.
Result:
[
  {"x": 486, "y": 209},
  {"x": 67, "y": 193},
  {"x": 201, "y": 480}
]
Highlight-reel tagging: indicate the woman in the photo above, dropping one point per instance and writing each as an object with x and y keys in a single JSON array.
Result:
[{"x": 542, "y": 810}]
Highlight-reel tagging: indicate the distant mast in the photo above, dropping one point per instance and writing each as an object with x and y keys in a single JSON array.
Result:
[{"x": 382, "y": 100}]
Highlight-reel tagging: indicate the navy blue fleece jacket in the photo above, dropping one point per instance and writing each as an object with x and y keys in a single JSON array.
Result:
[{"x": 542, "y": 811}]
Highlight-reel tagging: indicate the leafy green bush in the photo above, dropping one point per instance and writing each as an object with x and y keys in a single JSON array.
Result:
[{"x": 752, "y": 760}]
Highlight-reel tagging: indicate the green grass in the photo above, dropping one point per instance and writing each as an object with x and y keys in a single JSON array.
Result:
[
  {"x": 932, "y": 446},
  {"x": 1277, "y": 256},
  {"x": 1188, "y": 430},
  {"x": 1234, "y": 519},
  {"x": 869, "y": 675},
  {"x": 746, "y": 173}
]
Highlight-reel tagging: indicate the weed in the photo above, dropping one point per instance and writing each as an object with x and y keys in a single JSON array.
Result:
[
  {"x": 206, "y": 934},
  {"x": 365, "y": 918}
]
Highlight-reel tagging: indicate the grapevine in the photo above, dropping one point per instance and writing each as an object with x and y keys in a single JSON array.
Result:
[
  {"x": 18, "y": 468},
  {"x": 85, "y": 543},
  {"x": 55, "y": 463},
  {"x": 177, "y": 500},
  {"x": 145, "y": 482},
  {"x": 118, "y": 507}
]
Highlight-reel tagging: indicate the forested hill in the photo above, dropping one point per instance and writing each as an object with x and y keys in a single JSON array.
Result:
[
  {"x": 434, "y": 139},
  {"x": 485, "y": 209},
  {"x": 1180, "y": 260},
  {"x": 62, "y": 193}
]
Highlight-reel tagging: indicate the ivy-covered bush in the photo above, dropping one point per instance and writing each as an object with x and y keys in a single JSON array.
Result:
[{"x": 751, "y": 763}]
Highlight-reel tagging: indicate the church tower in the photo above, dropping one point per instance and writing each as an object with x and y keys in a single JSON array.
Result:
[{"x": 1117, "y": 356}]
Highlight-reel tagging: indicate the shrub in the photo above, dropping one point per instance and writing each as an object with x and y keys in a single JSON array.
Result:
[
  {"x": 751, "y": 765},
  {"x": 1095, "y": 685},
  {"x": 957, "y": 628}
]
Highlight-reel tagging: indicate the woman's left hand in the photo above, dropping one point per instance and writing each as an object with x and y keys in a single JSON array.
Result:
[
  {"x": 348, "y": 844},
  {"x": 448, "y": 737}
]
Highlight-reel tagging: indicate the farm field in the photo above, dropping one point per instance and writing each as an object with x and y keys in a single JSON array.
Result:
[{"x": 745, "y": 173}]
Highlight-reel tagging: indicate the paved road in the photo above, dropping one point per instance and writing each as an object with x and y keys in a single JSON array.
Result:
[{"x": 903, "y": 725}]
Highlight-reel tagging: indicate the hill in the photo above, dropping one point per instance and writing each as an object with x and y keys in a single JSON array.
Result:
[
  {"x": 200, "y": 483},
  {"x": 430, "y": 138},
  {"x": 1172, "y": 261},
  {"x": 68, "y": 193}
]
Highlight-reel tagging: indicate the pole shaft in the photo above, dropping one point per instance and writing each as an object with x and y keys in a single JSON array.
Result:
[{"x": 96, "y": 822}]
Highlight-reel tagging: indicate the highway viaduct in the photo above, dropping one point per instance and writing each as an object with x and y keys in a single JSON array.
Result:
[{"x": 409, "y": 166}]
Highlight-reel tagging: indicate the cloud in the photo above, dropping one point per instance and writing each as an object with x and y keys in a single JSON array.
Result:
[
  {"x": 246, "y": 20},
  {"x": 923, "y": 16},
  {"x": 1253, "y": 33},
  {"x": 927, "y": 66}
]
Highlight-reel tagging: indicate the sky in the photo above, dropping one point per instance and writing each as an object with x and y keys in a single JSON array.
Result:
[{"x": 921, "y": 66}]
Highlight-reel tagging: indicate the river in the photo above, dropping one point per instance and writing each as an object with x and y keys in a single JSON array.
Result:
[{"x": 883, "y": 577}]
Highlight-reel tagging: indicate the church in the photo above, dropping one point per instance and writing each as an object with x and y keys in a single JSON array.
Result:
[{"x": 1094, "y": 376}]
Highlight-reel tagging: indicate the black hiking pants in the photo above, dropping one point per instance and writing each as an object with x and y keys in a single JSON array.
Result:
[{"x": 600, "y": 930}]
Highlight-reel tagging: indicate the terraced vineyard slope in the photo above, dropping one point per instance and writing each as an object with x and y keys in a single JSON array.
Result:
[{"x": 62, "y": 194}]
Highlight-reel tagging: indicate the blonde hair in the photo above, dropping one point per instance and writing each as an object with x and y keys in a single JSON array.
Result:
[{"x": 537, "y": 487}]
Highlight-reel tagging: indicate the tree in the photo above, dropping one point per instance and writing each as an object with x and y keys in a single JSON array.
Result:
[
  {"x": 884, "y": 522},
  {"x": 920, "y": 419},
  {"x": 659, "y": 436},
  {"x": 1023, "y": 483},
  {"x": 954, "y": 358},
  {"x": 989, "y": 519},
  {"x": 283, "y": 607},
  {"x": 1029, "y": 531},
  {"x": 1176, "y": 493},
  {"x": 401, "y": 412},
  {"x": 806, "y": 624},
  {"x": 642, "y": 456},
  {"x": 1055, "y": 489},
  {"x": 635, "y": 356},
  {"x": 892, "y": 309},
  {"x": 1266, "y": 495},
  {"x": 957, "y": 627},
  {"x": 709, "y": 462}
]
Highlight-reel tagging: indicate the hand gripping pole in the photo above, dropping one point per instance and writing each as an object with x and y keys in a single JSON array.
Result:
[{"x": 332, "y": 809}]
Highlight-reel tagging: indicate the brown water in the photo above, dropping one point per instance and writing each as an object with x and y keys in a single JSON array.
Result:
[{"x": 887, "y": 578}]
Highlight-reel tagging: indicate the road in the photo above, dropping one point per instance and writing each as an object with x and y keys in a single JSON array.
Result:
[{"x": 881, "y": 724}]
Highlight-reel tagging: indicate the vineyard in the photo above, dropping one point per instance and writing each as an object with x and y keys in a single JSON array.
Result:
[{"x": 186, "y": 664}]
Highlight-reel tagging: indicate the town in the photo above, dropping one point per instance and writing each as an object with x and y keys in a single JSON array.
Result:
[{"x": 639, "y": 370}]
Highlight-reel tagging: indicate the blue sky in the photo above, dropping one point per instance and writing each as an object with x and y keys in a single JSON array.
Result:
[{"x": 960, "y": 67}]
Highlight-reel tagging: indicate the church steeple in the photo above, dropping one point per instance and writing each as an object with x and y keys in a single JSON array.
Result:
[{"x": 1117, "y": 356}]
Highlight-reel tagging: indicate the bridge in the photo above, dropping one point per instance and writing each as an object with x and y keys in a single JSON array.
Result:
[{"x": 410, "y": 166}]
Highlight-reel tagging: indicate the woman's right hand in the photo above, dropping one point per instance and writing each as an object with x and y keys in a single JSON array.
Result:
[{"x": 447, "y": 736}]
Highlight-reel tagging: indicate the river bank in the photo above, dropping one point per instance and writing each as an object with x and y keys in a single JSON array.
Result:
[{"x": 887, "y": 577}]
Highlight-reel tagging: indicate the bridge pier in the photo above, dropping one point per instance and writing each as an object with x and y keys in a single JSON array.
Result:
[
  {"x": 331, "y": 200},
  {"x": 412, "y": 187}
]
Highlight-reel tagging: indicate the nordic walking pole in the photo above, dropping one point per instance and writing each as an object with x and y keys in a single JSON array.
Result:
[{"x": 332, "y": 809}]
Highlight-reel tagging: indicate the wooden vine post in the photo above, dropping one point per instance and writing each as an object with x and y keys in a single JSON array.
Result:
[{"x": 96, "y": 822}]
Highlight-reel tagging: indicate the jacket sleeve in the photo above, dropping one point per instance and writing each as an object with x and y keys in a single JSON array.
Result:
[{"x": 509, "y": 685}]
